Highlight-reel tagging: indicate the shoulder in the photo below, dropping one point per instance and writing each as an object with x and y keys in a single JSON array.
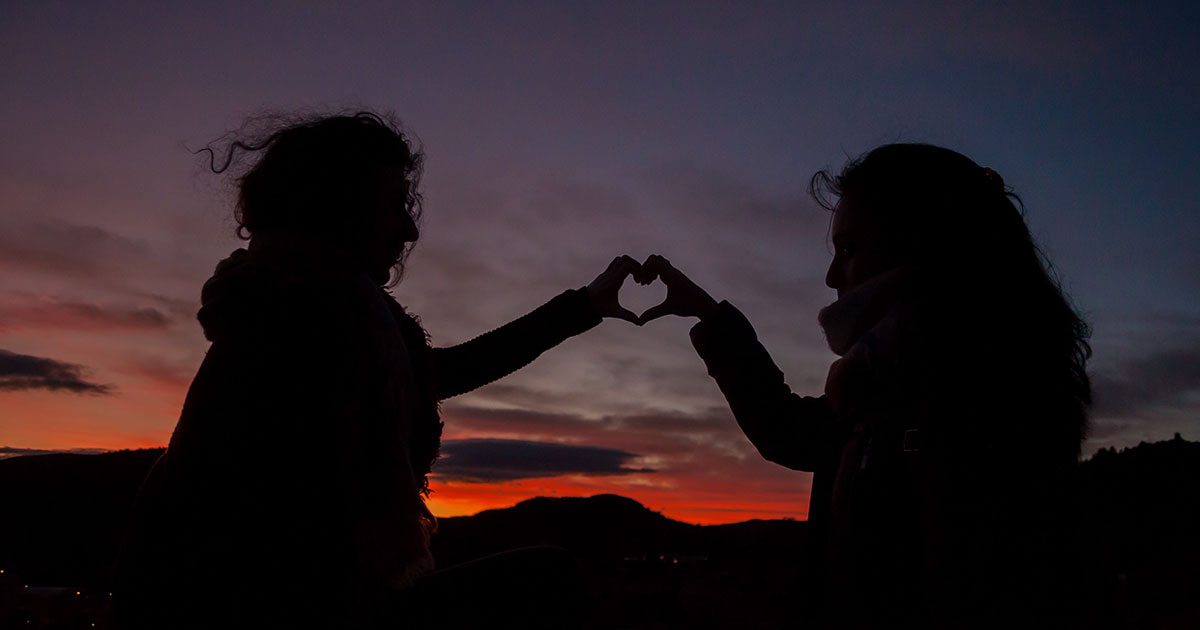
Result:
[{"x": 321, "y": 312}]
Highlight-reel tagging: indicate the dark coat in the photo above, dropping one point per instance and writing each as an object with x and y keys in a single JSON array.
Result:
[
  {"x": 289, "y": 493},
  {"x": 912, "y": 523}
]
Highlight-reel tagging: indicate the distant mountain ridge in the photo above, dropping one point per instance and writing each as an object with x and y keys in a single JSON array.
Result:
[
  {"x": 64, "y": 516},
  {"x": 607, "y": 529},
  {"x": 69, "y": 513}
]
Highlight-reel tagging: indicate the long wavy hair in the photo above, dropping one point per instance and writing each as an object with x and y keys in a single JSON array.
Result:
[
  {"x": 310, "y": 175},
  {"x": 997, "y": 331}
]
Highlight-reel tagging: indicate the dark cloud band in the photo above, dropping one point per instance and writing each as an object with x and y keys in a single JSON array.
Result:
[
  {"x": 484, "y": 460},
  {"x": 1138, "y": 386},
  {"x": 23, "y": 372},
  {"x": 24, "y": 311},
  {"x": 14, "y": 451}
]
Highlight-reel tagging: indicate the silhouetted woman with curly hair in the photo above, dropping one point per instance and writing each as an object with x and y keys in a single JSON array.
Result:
[
  {"x": 944, "y": 445},
  {"x": 291, "y": 491}
]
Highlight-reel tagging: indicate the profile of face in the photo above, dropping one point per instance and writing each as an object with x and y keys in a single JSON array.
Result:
[
  {"x": 391, "y": 227},
  {"x": 861, "y": 249}
]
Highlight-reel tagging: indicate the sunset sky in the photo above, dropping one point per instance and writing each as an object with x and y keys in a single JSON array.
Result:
[{"x": 557, "y": 136}]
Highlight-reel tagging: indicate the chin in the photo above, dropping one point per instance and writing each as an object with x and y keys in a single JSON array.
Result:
[{"x": 381, "y": 276}]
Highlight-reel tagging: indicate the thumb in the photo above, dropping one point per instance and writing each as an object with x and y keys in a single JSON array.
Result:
[
  {"x": 654, "y": 312},
  {"x": 627, "y": 315}
]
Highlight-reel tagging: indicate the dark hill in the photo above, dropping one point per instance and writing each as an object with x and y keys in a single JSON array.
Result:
[
  {"x": 67, "y": 513},
  {"x": 1141, "y": 529},
  {"x": 64, "y": 515},
  {"x": 643, "y": 569},
  {"x": 608, "y": 530}
]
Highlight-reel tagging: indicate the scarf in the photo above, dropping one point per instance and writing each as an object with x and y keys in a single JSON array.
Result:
[{"x": 864, "y": 328}]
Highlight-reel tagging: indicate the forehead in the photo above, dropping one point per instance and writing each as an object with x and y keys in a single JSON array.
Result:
[
  {"x": 847, "y": 218},
  {"x": 392, "y": 177}
]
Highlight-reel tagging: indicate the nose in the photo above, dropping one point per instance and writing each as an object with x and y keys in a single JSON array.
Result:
[{"x": 833, "y": 278}]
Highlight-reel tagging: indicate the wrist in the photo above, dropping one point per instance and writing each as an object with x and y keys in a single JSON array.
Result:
[{"x": 585, "y": 292}]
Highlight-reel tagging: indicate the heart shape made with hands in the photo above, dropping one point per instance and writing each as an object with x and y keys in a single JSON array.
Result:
[{"x": 640, "y": 298}]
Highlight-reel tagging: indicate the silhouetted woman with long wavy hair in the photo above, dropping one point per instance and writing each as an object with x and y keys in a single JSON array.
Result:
[
  {"x": 944, "y": 445},
  {"x": 291, "y": 491}
]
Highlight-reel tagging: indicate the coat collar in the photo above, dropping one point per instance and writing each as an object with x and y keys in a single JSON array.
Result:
[{"x": 848, "y": 319}]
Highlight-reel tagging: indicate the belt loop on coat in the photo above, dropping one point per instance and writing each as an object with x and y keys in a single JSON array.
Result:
[{"x": 912, "y": 441}]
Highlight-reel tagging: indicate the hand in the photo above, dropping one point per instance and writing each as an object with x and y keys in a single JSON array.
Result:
[
  {"x": 684, "y": 297},
  {"x": 603, "y": 290}
]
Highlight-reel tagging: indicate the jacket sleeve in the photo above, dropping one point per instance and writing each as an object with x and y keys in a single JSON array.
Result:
[
  {"x": 494, "y": 355},
  {"x": 790, "y": 430}
]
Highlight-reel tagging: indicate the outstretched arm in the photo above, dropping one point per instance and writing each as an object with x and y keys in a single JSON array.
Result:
[
  {"x": 790, "y": 430},
  {"x": 496, "y": 354}
]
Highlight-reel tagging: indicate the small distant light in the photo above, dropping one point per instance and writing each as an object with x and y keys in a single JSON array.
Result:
[
  {"x": 674, "y": 560},
  {"x": 78, "y": 593}
]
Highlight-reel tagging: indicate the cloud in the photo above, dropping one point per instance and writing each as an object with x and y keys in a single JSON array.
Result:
[
  {"x": 7, "y": 452},
  {"x": 1029, "y": 33},
  {"x": 78, "y": 251},
  {"x": 524, "y": 421},
  {"x": 486, "y": 460},
  {"x": 669, "y": 438},
  {"x": 22, "y": 372},
  {"x": 28, "y": 311},
  {"x": 1163, "y": 378}
]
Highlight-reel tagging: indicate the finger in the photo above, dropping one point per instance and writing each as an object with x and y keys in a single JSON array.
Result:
[
  {"x": 654, "y": 266},
  {"x": 653, "y": 313},
  {"x": 627, "y": 315},
  {"x": 667, "y": 272},
  {"x": 656, "y": 262},
  {"x": 628, "y": 266},
  {"x": 643, "y": 274}
]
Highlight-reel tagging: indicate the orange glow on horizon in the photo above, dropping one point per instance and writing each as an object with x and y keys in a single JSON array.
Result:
[
  {"x": 719, "y": 490},
  {"x": 682, "y": 501},
  {"x": 450, "y": 499}
]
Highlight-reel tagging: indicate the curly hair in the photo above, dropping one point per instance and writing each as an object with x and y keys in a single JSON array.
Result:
[
  {"x": 311, "y": 174},
  {"x": 981, "y": 283}
]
